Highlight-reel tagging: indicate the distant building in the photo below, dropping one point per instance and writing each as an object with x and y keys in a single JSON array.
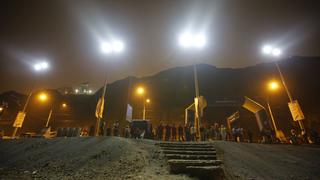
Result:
[
  {"x": 66, "y": 90},
  {"x": 83, "y": 89}
]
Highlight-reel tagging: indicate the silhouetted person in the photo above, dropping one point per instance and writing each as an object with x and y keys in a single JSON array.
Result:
[
  {"x": 127, "y": 132},
  {"x": 160, "y": 132},
  {"x": 202, "y": 133},
  {"x": 250, "y": 135},
  {"x": 223, "y": 132},
  {"x": 168, "y": 131},
  {"x": 174, "y": 132},
  {"x": 180, "y": 132},
  {"x": 91, "y": 131},
  {"x": 188, "y": 134},
  {"x": 193, "y": 133}
]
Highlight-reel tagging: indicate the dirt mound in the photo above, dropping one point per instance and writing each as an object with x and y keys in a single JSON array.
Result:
[{"x": 82, "y": 158}]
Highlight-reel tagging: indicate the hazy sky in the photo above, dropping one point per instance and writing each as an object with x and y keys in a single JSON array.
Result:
[{"x": 68, "y": 35}]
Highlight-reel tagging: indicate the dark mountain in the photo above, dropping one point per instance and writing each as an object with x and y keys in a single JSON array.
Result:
[{"x": 172, "y": 90}]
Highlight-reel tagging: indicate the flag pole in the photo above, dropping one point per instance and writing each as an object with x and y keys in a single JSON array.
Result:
[{"x": 100, "y": 107}]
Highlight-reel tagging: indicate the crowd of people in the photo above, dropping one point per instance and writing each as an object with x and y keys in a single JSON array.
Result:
[
  {"x": 189, "y": 133},
  {"x": 172, "y": 132}
]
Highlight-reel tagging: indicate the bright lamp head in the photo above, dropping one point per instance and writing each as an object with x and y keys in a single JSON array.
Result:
[
  {"x": 106, "y": 47},
  {"x": 188, "y": 40},
  {"x": 267, "y": 49},
  {"x": 272, "y": 51},
  {"x": 276, "y": 52},
  {"x": 199, "y": 41},
  {"x": 117, "y": 46},
  {"x": 185, "y": 40},
  {"x": 41, "y": 66}
]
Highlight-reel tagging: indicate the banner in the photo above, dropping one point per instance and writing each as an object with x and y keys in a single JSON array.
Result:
[
  {"x": 129, "y": 113},
  {"x": 296, "y": 111},
  {"x": 19, "y": 119}
]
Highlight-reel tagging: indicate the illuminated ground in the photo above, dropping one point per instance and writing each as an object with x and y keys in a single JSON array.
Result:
[
  {"x": 119, "y": 158},
  {"x": 82, "y": 158},
  {"x": 265, "y": 161}
]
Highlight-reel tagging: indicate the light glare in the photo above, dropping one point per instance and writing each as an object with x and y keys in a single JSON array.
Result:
[
  {"x": 199, "y": 41},
  {"x": 267, "y": 49},
  {"x": 188, "y": 40},
  {"x": 273, "y": 85},
  {"x": 276, "y": 52},
  {"x": 140, "y": 90},
  {"x": 113, "y": 47},
  {"x": 185, "y": 40},
  {"x": 41, "y": 66},
  {"x": 106, "y": 48},
  {"x": 118, "y": 46}
]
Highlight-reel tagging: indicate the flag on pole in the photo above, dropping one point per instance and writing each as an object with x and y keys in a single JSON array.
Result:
[
  {"x": 100, "y": 104},
  {"x": 100, "y": 107},
  {"x": 202, "y": 104}
]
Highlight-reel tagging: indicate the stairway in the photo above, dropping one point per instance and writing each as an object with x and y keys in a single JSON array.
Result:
[{"x": 192, "y": 158}]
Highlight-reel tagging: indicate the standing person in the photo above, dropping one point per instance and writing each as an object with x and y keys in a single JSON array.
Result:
[
  {"x": 160, "y": 132},
  {"x": 127, "y": 132},
  {"x": 250, "y": 135},
  {"x": 202, "y": 133},
  {"x": 211, "y": 133},
  {"x": 193, "y": 133},
  {"x": 174, "y": 132},
  {"x": 188, "y": 133},
  {"x": 241, "y": 134},
  {"x": 116, "y": 128},
  {"x": 234, "y": 134},
  {"x": 180, "y": 132},
  {"x": 102, "y": 128},
  {"x": 223, "y": 132},
  {"x": 168, "y": 132},
  {"x": 218, "y": 134},
  {"x": 205, "y": 134}
]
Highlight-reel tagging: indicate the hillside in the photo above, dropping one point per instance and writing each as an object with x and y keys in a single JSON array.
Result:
[{"x": 172, "y": 90}]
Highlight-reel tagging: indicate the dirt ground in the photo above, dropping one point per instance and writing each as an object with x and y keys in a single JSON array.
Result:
[
  {"x": 120, "y": 158},
  {"x": 82, "y": 158},
  {"x": 269, "y": 161}
]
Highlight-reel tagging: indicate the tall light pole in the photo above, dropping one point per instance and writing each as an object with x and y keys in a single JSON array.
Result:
[
  {"x": 273, "y": 86},
  {"x": 38, "y": 67},
  {"x": 110, "y": 48},
  {"x": 141, "y": 92},
  {"x": 293, "y": 104},
  {"x": 195, "y": 41},
  {"x": 63, "y": 105},
  {"x": 145, "y": 101}
]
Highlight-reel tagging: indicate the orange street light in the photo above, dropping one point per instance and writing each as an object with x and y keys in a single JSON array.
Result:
[
  {"x": 64, "y": 105},
  {"x": 140, "y": 90},
  {"x": 147, "y": 100},
  {"x": 42, "y": 97},
  {"x": 273, "y": 86}
]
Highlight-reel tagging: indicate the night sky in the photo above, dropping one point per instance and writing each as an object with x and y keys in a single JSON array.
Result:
[{"x": 68, "y": 35}]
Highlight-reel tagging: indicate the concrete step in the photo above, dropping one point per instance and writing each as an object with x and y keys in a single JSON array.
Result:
[
  {"x": 185, "y": 144},
  {"x": 185, "y": 156},
  {"x": 205, "y": 172},
  {"x": 194, "y": 162},
  {"x": 180, "y": 165},
  {"x": 189, "y": 148},
  {"x": 189, "y": 152}
]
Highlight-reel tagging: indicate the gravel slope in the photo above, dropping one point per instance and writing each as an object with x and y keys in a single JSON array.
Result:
[
  {"x": 120, "y": 158},
  {"x": 82, "y": 158}
]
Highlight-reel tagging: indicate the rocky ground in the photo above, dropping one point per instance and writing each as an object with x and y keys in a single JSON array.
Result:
[
  {"x": 82, "y": 158},
  {"x": 269, "y": 161},
  {"x": 120, "y": 158}
]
